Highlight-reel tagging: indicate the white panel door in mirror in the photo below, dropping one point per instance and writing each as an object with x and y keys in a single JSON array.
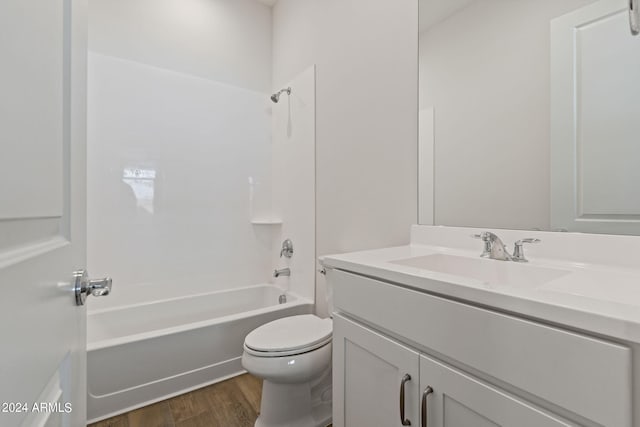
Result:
[
  {"x": 608, "y": 118},
  {"x": 595, "y": 120}
]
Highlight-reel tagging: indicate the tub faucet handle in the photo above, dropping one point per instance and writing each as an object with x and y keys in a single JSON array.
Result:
[{"x": 287, "y": 249}]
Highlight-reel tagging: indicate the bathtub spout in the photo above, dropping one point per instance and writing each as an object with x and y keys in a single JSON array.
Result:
[{"x": 282, "y": 272}]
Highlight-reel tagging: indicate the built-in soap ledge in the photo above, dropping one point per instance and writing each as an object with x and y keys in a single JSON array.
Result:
[{"x": 266, "y": 221}]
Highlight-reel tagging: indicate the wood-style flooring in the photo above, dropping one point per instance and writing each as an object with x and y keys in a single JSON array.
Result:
[{"x": 231, "y": 403}]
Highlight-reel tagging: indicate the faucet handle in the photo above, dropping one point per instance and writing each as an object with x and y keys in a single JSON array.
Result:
[
  {"x": 487, "y": 243},
  {"x": 518, "y": 252},
  {"x": 287, "y": 249}
]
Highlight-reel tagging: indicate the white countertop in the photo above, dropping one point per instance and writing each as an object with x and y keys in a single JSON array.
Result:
[{"x": 602, "y": 298}]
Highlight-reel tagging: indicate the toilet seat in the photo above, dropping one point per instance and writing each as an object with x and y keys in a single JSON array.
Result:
[{"x": 289, "y": 336}]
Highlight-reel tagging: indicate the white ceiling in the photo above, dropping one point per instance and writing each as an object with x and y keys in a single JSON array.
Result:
[
  {"x": 268, "y": 2},
  {"x": 435, "y": 11}
]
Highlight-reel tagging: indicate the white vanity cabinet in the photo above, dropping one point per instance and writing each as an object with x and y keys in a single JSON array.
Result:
[
  {"x": 485, "y": 368},
  {"x": 381, "y": 382}
]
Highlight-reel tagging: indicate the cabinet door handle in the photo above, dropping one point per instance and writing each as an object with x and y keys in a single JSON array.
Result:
[
  {"x": 405, "y": 422},
  {"x": 427, "y": 391}
]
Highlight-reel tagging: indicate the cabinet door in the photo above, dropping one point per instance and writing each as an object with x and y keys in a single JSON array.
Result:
[
  {"x": 368, "y": 376},
  {"x": 460, "y": 400}
]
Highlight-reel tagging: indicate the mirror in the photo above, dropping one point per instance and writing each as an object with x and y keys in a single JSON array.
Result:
[{"x": 529, "y": 114}]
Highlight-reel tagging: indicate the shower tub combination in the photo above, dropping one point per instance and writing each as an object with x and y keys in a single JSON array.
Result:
[{"x": 144, "y": 353}]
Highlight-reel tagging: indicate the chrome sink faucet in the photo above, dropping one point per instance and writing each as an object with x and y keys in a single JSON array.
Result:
[{"x": 494, "y": 248}]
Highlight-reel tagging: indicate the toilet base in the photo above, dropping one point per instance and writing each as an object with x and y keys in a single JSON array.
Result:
[{"x": 296, "y": 405}]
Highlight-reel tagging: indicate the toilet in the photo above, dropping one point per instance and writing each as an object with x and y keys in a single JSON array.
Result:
[{"x": 293, "y": 357}]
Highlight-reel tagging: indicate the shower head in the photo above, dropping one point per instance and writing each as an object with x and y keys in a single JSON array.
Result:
[{"x": 276, "y": 96}]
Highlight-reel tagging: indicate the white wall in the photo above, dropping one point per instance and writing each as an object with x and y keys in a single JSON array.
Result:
[
  {"x": 489, "y": 86},
  {"x": 365, "y": 53},
  {"x": 179, "y": 95},
  {"x": 224, "y": 40}
]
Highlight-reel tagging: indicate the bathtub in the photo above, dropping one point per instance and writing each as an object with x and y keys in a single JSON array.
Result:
[{"x": 143, "y": 353}]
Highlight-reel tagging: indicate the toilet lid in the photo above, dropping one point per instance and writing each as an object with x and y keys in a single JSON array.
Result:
[{"x": 290, "y": 333}]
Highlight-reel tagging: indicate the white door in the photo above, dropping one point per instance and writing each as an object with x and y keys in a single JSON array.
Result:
[
  {"x": 457, "y": 399},
  {"x": 595, "y": 64},
  {"x": 42, "y": 211},
  {"x": 371, "y": 375}
]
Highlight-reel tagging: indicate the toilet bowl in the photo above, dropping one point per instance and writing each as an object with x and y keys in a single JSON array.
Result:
[{"x": 293, "y": 357}]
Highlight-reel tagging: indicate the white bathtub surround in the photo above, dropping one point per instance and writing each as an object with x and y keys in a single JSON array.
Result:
[
  {"x": 146, "y": 352},
  {"x": 514, "y": 343},
  {"x": 193, "y": 174},
  {"x": 179, "y": 145},
  {"x": 294, "y": 181}
]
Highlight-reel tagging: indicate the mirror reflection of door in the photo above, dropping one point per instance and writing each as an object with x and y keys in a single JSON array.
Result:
[{"x": 595, "y": 131}]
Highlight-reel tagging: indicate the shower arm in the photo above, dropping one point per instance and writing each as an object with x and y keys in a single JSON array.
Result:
[{"x": 276, "y": 96}]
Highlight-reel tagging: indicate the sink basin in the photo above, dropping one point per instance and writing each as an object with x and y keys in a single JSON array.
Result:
[{"x": 489, "y": 271}]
